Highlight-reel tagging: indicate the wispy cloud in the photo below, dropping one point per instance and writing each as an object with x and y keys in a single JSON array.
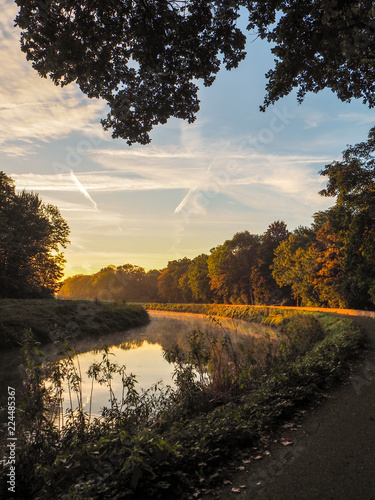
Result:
[
  {"x": 283, "y": 172},
  {"x": 360, "y": 118},
  {"x": 34, "y": 109}
]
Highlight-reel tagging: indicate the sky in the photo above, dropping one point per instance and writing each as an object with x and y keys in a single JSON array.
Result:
[{"x": 194, "y": 186}]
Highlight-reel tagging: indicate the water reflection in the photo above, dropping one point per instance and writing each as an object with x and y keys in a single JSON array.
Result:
[
  {"x": 144, "y": 360},
  {"x": 141, "y": 352}
]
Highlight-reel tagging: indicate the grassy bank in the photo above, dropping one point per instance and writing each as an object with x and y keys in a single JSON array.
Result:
[
  {"x": 265, "y": 315},
  {"x": 75, "y": 319},
  {"x": 168, "y": 447}
]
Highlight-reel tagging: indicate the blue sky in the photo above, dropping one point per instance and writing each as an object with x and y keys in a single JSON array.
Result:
[{"x": 194, "y": 186}]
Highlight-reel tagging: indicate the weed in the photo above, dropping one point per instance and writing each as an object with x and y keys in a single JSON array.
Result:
[{"x": 159, "y": 445}]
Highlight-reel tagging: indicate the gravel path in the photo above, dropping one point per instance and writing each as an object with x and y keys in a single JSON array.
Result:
[{"x": 332, "y": 455}]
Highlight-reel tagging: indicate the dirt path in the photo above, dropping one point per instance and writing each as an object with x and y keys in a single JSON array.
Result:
[{"x": 333, "y": 452}]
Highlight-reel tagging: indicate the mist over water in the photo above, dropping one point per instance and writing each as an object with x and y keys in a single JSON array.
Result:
[{"x": 140, "y": 350}]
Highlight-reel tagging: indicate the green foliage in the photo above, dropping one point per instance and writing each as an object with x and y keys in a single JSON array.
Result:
[
  {"x": 199, "y": 280},
  {"x": 121, "y": 283},
  {"x": 352, "y": 221},
  {"x": 332, "y": 264},
  {"x": 352, "y": 180},
  {"x": 298, "y": 334},
  {"x": 214, "y": 369},
  {"x": 173, "y": 283},
  {"x": 145, "y": 58},
  {"x": 78, "y": 319},
  {"x": 31, "y": 234},
  {"x": 317, "y": 45},
  {"x": 230, "y": 266},
  {"x": 162, "y": 452},
  {"x": 236, "y": 272},
  {"x": 292, "y": 265}
]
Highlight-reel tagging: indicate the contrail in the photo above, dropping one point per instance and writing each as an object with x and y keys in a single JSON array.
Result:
[
  {"x": 205, "y": 179},
  {"x": 184, "y": 201},
  {"x": 83, "y": 190}
]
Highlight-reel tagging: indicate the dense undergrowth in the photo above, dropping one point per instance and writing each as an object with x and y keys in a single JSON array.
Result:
[
  {"x": 161, "y": 445},
  {"x": 78, "y": 318}
]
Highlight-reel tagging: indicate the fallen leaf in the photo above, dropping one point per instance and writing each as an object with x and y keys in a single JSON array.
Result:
[
  {"x": 241, "y": 467},
  {"x": 227, "y": 481},
  {"x": 258, "y": 457},
  {"x": 242, "y": 486},
  {"x": 247, "y": 461},
  {"x": 286, "y": 442},
  {"x": 235, "y": 490},
  {"x": 267, "y": 453},
  {"x": 288, "y": 426}
]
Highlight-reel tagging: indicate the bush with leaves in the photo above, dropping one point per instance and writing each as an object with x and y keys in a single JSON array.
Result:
[{"x": 150, "y": 446}]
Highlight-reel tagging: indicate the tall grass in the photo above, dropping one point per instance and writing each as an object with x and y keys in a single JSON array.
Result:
[
  {"x": 158, "y": 445},
  {"x": 78, "y": 318}
]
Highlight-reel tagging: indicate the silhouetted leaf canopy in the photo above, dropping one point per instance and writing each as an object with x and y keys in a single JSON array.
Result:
[{"x": 145, "y": 58}]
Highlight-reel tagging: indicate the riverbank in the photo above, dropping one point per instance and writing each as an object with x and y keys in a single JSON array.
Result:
[
  {"x": 331, "y": 447},
  {"x": 182, "y": 451},
  {"x": 72, "y": 319},
  {"x": 250, "y": 313}
]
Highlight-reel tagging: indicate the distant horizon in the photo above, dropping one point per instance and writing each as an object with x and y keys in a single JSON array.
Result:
[{"x": 147, "y": 269}]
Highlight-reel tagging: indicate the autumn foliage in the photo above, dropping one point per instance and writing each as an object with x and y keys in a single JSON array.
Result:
[{"x": 330, "y": 264}]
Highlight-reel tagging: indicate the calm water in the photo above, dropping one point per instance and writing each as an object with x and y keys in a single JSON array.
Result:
[{"x": 140, "y": 350}]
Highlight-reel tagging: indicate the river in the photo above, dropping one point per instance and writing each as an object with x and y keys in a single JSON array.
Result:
[{"x": 140, "y": 350}]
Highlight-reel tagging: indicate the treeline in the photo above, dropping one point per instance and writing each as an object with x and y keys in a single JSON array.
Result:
[
  {"x": 330, "y": 264},
  {"x": 333, "y": 262},
  {"x": 236, "y": 272},
  {"x": 122, "y": 283}
]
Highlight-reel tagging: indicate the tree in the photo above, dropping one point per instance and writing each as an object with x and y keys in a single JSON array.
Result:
[
  {"x": 31, "y": 235},
  {"x": 77, "y": 287},
  {"x": 104, "y": 284},
  {"x": 265, "y": 288},
  {"x": 352, "y": 182},
  {"x": 150, "y": 285},
  {"x": 126, "y": 282},
  {"x": 332, "y": 264},
  {"x": 129, "y": 280},
  {"x": 173, "y": 282},
  {"x": 145, "y": 57},
  {"x": 294, "y": 264},
  {"x": 199, "y": 280},
  {"x": 328, "y": 273},
  {"x": 230, "y": 267},
  {"x": 167, "y": 291},
  {"x": 318, "y": 44}
]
